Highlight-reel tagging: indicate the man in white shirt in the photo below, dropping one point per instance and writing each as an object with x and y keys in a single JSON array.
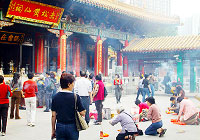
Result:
[{"x": 83, "y": 88}]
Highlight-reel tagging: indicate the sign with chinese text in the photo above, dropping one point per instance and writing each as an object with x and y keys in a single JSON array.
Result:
[
  {"x": 11, "y": 38},
  {"x": 80, "y": 28},
  {"x": 99, "y": 56},
  {"x": 34, "y": 12}
]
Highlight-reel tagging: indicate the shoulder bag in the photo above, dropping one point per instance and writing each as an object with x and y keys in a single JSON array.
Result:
[
  {"x": 140, "y": 132},
  {"x": 80, "y": 121}
]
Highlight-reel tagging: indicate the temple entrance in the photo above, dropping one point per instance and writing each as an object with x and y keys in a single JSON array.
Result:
[{"x": 10, "y": 58}]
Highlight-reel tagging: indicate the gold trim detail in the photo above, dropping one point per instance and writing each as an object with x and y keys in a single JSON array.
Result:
[{"x": 35, "y": 20}]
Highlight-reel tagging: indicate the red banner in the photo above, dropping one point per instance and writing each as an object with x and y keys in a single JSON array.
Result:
[
  {"x": 34, "y": 12},
  {"x": 63, "y": 52},
  {"x": 99, "y": 56}
]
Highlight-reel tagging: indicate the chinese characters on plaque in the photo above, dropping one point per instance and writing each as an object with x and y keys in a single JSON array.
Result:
[
  {"x": 34, "y": 12},
  {"x": 11, "y": 38}
]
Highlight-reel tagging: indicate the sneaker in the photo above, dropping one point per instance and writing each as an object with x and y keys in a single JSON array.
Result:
[
  {"x": 32, "y": 125},
  {"x": 97, "y": 123},
  {"x": 29, "y": 124},
  {"x": 46, "y": 111},
  {"x": 3, "y": 133},
  {"x": 22, "y": 108},
  {"x": 162, "y": 132}
]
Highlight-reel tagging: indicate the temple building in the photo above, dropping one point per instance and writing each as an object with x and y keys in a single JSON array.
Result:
[
  {"x": 74, "y": 35},
  {"x": 176, "y": 55}
]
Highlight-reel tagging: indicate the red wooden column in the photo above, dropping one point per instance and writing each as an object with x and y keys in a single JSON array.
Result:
[
  {"x": 125, "y": 62},
  {"x": 98, "y": 56},
  {"x": 39, "y": 53},
  {"x": 141, "y": 66},
  {"x": 62, "y": 54},
  {"x": 77, "y": 59},
  {"x": 119, "y": 58},
  {"x": 103, "y": 61},
  {"x": 106, "y": 61},
  {"x": 74, "y": 54}
]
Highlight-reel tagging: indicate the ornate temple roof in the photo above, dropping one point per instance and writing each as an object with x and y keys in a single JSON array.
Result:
[
  {"x": 164, "y": 44},
  {"x": 129, "y": 10}
]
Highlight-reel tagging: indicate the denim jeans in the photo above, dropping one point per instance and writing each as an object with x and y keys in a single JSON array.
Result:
[
  {"x": 152, "y": 90},
  {"x": 86, "y": 104},
  {"x": 152, "y": 129},
  {"x": 41, "y": 96},
  {"x": 145, "y": 91},
  {"x": 66, "y": 132},
  {"x": 140, "y": 91},
  {"x": 48, "y": 100}
]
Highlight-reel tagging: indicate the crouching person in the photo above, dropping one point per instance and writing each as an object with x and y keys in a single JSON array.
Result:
[
  {"x": 128, "y": 126},
  {"x": 189, "y": 111},
  {"x": 154, "y": 115}
]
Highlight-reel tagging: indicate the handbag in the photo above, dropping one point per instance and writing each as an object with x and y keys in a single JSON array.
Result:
[{"x": 80, "y": 121}]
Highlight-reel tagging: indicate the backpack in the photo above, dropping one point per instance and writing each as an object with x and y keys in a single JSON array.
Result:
[
  {"x": 51, "y": 86},
  {"x": 40, "y": 84}
]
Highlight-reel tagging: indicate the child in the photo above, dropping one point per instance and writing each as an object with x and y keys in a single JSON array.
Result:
[
  {"x": 174, "y": 106},
  {"x": 154, "y": 114},
  {"x": 143, "y": 109}
]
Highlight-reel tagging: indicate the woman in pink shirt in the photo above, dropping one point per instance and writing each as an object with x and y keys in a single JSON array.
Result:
[
  {"x": 98, "y": 97},
  {"x": 154, "y": 114},
  {"x": 189, "y": 111}
]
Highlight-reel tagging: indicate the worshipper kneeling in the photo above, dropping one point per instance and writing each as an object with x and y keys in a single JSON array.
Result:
[
  {"x": 128, "y": 125},
  {"x": 189, "y": 111},
  {"x": 143, "y": 110},
  {"x": 154, "y": 114},
  {"x": 174, "y": 105}
]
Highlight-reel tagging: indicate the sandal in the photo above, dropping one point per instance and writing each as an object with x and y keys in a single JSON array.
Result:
[
  {"x": 162, "y": 132},
  {"x": 97, "y": 123}
]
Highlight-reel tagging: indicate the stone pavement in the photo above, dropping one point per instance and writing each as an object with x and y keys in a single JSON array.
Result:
[{"x": 17, "y": 129}]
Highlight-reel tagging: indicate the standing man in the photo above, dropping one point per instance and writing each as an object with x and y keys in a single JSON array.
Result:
[
  {"x": 49, "y": 88},
  {"x": 166, "y": 82},
  {"x": 146, "y": 89},
  {"x": 30, "y": 89},
  {"x": 151, "y": 82},
  {"x": 140, "y": 87},
  {"x": 41, "y": 91},
  {"x": 83, "y": 88}
]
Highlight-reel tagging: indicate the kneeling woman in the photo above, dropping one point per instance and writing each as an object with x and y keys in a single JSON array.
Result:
[
  {"x": 154, "y": 114},
  {"x": 127, "y": 124},
  {"x": 189, "y": 111}
]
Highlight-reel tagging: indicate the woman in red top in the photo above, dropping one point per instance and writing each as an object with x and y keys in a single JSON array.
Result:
[
  {"x": 29, "y": 89},
  {"x": 98, "y": 97},
  {"x": 4, "y": 104},
  {"x": 118, "y": 88}
]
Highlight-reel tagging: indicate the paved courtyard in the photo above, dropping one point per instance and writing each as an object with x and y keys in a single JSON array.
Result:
[{"x": 17, "y": 129}]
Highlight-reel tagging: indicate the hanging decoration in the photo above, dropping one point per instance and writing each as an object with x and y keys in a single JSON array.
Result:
[{"x": 5, "y": 24}]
